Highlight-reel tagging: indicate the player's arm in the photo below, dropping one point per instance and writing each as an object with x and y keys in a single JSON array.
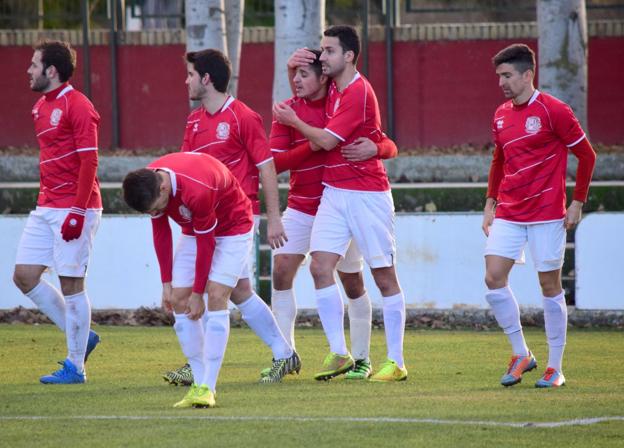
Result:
[
  {"x": 364, "y": 148},
  {"x": 275, "y": 229},
  {"x": 320, "y": 137},
  {"x": 163, "y": 246},
  {"x": 494, "y": 179},
  {"x": 84, "y": 121},
  {"x": 586, "y": 162},
  {"x": 285, "y": 156}
]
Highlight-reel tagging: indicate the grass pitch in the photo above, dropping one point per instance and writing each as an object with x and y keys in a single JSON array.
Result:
[{"x": 451, "y": 398}]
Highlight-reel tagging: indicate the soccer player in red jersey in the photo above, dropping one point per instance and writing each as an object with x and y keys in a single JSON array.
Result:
[
  {"x": 526, "y": 203},
  {"x": 356, "y": 204},
  {"x": 291, "y": 151},
  {"x": 231, "y": 132},
  {"x": 59, "y": 232},
  {"x": 201, "y": 195}
]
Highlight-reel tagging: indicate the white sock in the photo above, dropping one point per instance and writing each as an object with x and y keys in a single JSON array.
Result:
[
  {"x": 360, "y": 316},
  {"x": 284, "y": 308},
  {"x": 215, "y": 341},
  {"x": 191, "y": 337},
  {"x": 505, "y": 309},
  {"x": 394, "y": 325},
  {"x": 331, "y": 313},
  {"x": 556, "y": 323},
  {"x": 50, "y": 302},
  {"x": 260, "y": 319},
  {"x": 78, "y": 324}
]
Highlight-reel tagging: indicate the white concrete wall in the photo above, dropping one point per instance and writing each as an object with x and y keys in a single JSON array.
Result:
[{"x": 439, "y": 259}]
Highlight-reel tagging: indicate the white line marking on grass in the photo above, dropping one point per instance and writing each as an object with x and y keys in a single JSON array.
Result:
[{"x": 432, "y": 421}]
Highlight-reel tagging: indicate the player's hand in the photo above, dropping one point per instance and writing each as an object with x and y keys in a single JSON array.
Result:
[
  {"x": 284, "y": 114},
  {"x": 301, "y": 56},
  {"x": 195, "y": 307},
  {"x": 275, "y": 232},
  {"x": 74, "y": 222},
  {"x": 166, "y": 304},
  {"x": 314, "y": 146},
  {"x": 573, "y": 214},
  {"x": 488, "y": 215},
  {"x": 360, "y": 149}
]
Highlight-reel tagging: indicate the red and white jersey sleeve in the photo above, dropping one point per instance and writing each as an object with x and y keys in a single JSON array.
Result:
[
  {"x": 534, "y": 139},
  {"x": 66, "y": 124},
  {"x": 235, "y": 136},
  {"x": 306, "y": 187},
  {"x": 354, "y": 113},
  {"x": 205, "y": 196}
]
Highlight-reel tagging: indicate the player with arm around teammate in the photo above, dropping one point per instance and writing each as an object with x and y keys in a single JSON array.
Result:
[
  {"x": 292, "y": 151},
  {"x": 526, "y": 204},
  {"x": 59, "y": 232}
]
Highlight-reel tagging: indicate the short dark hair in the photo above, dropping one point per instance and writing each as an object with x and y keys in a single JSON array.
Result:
[
  {"x": 316, "y": 66},
  {"x": 348, "y": 37},
  {"x": 518, "y": 55},
  {"x": 213, "y": 62},
  {"x": 59, "y": 54},
  {"x": 141, "y": 188}
]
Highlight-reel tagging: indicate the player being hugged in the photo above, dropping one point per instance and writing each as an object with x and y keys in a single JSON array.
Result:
[
  {"x": 356, "y": 204},
  {"x": 526, "y": 203},
  {"x": 59, "y": 232},
  {"x": 292, "y": 151},
  {"x": 200, "y": 194}
]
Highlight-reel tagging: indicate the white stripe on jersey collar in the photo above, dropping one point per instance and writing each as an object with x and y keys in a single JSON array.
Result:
[
  {"x": 69, "y": 88},
  {"x": 534, "y": 96},
  {"x": 227, "y": 103}
]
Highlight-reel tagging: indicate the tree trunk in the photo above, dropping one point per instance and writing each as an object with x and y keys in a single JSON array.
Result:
[
  {"x": 562, "y": 47},
  {"x": 205, "y": 25},
  {"x": 298, "y": 23},
  {"x": 234, "y": 14}
]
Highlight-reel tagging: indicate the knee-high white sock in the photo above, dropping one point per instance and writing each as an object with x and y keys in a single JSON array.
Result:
[
  {"x": 215, "y": 341},
  {"x": 191, "y": 337},
  {"x": 394, "y": 325},
  {"x": 50, "y": 302},
  {"x": 360, "y": 316},
  {"x": 284, "y": 308},
  {"x": 331, "y": 313},
  {"x": 505, "y": 309},
  {"x": 556, "y": 323},
  {"x": 77, "y": 326},
  {"x": 261, "y": 320}
]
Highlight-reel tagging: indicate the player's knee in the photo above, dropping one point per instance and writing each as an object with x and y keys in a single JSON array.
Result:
[
  {"x": 179, "y": 299},
  {"x": 353, "y": 284},
  {"x": 24, "y": 281},
  {"x": 550, "y": 288},
  {"x": 494, "y": 281},
  {"x": 320, "y": 270},
  {"x": 218, "y": 297},
  {"x": 282, "y": 276}
]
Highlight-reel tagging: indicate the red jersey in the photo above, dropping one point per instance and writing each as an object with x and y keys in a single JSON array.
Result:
[
  {"x": 205, "y": 196},
  {"x": 533, "y": 140},
  {"x": 306, "y": 186},
  {"x": 66, "y": 125},
  {"x": 354, "y": 113},
  {"x": 235, "y": 136}
]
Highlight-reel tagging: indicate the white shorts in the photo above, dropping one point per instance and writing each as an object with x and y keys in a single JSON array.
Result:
[
  {"x": 364, "y": 216},
  {"x": 42, "y": 242},
  {"x": 229, "y": 261},
  {"x": 546, "y": 242},
  {"x": 298, "y": 228}
]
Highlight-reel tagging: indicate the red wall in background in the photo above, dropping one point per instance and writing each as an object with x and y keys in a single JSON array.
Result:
[{"x": 445, "y": 92}]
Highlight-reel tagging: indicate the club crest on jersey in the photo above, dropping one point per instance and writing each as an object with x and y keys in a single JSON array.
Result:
[
  {"x": 55, "y": 117},
  {"x": 533, "y": 125},
  {"x": 499, "y": 124},
  {"x": 195, "y": 127},
  {"x": 223, "y": 131},
  {"x": 185, "y": 212},
  {"x": 35, "y": 113}
]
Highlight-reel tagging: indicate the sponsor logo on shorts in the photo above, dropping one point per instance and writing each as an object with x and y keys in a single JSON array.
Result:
[
  {"x": 533, "y": 125},
  {"x": 223, "y": 131},
  {"x": 55, "y": 117}
]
